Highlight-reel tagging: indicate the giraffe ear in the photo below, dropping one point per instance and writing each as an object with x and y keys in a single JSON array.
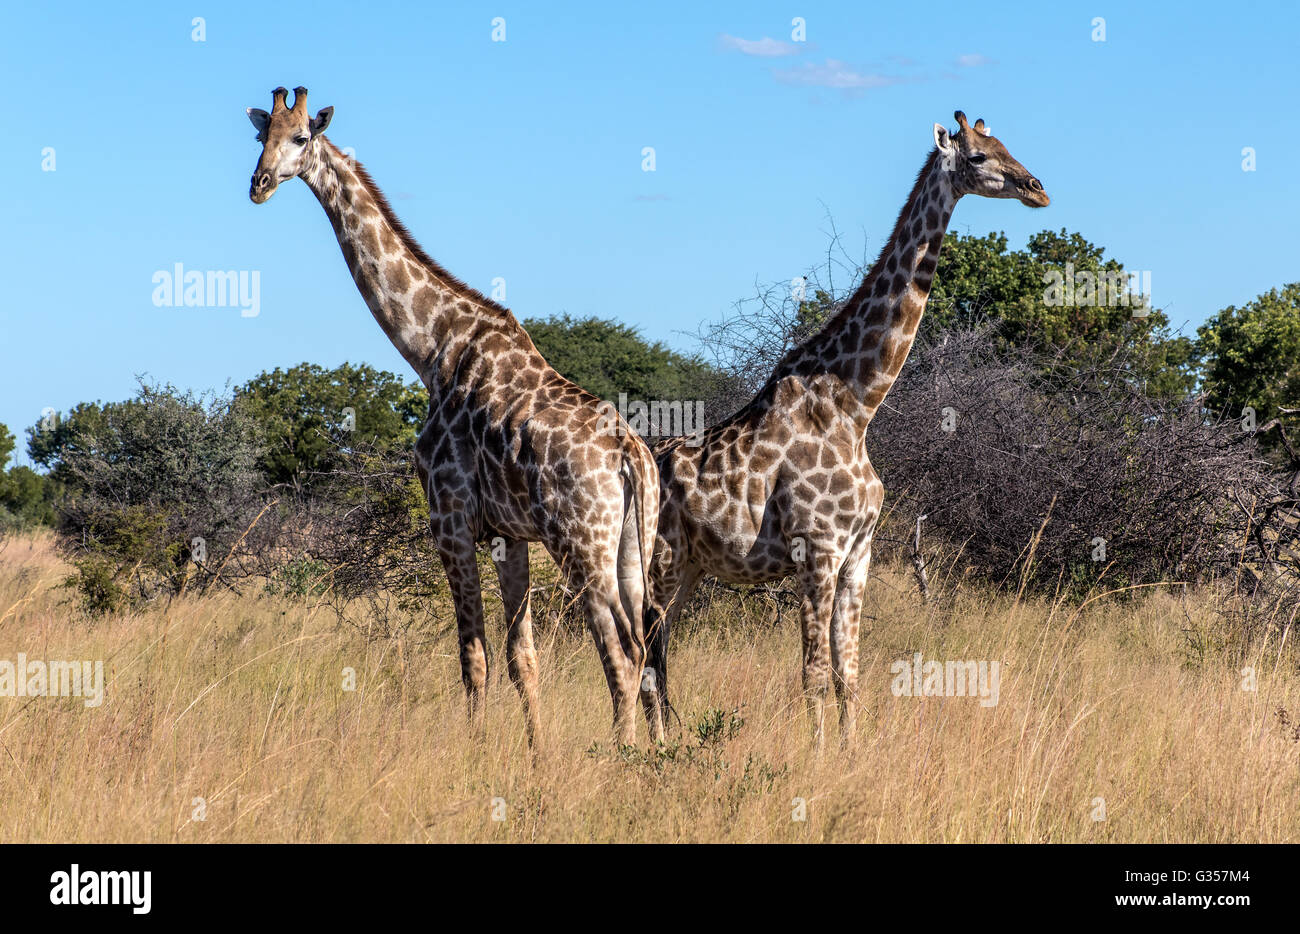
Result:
[
  {"x": 941, "y": 138},
  {"x": 260, "y": 120},
  {"x": 321, "y": 120}
]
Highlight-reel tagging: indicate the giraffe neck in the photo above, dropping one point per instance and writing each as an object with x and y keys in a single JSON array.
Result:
[
  {"x": 425, "y": 311},
  {"x": 863, "y": 348}
]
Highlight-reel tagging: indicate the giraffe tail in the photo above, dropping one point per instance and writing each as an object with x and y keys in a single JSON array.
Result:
[{"x": 642, "y": 477}]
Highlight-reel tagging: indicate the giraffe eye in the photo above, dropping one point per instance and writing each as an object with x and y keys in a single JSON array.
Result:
[
  {"x": 977, "y": 158},
  {"x": 301, "y": 140}
]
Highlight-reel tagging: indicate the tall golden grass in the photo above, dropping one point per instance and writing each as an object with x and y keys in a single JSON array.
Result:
[{"x": 225, "y": 720}]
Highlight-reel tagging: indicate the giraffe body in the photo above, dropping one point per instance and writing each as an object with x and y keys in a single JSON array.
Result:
[
  {"x": 511, "y": 451},
  {"x": 785, "y": 485}
]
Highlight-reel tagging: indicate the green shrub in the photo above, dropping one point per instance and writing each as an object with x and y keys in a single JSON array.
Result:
[
  {"x": 96, "y": 586},
  {"x": 160, "y": 490},
  {"x": 300, "y": 577}
]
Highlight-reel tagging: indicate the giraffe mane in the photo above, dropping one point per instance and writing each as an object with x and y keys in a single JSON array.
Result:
[
  {"x": 413, "y": 245},
  {"x": 864, "y": 290}
]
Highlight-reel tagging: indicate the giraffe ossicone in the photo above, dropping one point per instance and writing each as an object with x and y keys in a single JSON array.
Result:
[
  {"x": 784, "y": 486},
  {"x": 511, "y": 449}
]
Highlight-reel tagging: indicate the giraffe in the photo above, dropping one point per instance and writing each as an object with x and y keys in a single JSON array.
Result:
[
  {"x": 784, "y": 486},
  {"x": 511, "y": 452}
]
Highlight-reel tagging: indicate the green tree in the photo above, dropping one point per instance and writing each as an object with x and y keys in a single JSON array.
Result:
[
  {"x": 1060, "y": 291},
  {"x": 49, "y": 440},
  {"x": 26, "y": 497},
  {"x": 606, "y": 357},
  {"x": 1250, "y": 356},
  {"x": 307, "y": 410}
]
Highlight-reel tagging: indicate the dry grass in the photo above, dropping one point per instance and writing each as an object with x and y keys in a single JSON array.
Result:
[{"x": 238, "y": 701}]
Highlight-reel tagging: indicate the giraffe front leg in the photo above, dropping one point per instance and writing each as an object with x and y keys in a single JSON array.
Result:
[
  {"x": 461, "y": 565},
  {"x": 846, "y": 621},
  {"x": 817, "y": 578},
  {"x": 521, "y": 654}
]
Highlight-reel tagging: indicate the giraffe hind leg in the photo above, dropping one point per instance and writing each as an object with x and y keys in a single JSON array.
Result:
[
  {"x": 635, "y": 611},
  {"x": 521, "y": 654},
  {"x": 817, "y": 578},
  {"x": 654, "y": 673},
  {"x": 846, "y": 621},
  {"x": 673, "y": 587},
  {"x": 620, "y": 655},
  {"x": 612, "y": 583}
]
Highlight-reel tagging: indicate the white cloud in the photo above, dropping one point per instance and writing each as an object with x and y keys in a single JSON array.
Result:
[
  {"x": 974, "y": 60},
  {"x": 833, "y": 74},
  {"x": 763, "y": 48}
]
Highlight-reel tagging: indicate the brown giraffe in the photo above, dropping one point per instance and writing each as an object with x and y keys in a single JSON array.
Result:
[
  {"x": 784, "y": 486},
  {"x": 512, "y": 452}
]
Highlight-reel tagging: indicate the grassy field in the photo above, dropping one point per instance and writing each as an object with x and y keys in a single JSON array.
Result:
[{"x": 225, "y": 719}]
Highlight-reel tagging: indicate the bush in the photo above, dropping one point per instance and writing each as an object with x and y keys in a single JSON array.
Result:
[
  {"x": 1061, "y": 475},
  {"x": 300, "y": 577},
  {"x": 606, "y": 357},
  {"x": 160, "y": 492},
  {"x": 95, "y": 583}
]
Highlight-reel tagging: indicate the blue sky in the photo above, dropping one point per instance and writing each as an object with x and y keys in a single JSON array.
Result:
[{"x": 523, "y": 160}]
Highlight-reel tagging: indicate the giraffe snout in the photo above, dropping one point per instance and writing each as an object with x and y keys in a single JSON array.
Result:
[
  {"x": 261, "y": 187},
  {"x": 1032, "y": 193}
]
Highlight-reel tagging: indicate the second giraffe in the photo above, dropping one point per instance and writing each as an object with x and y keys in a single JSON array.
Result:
[{"x": 785, "y": 486}]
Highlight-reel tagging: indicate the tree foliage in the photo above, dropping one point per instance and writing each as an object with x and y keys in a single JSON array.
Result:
[
  {"x": 26, "y": 497},
  {"x": 307, "y": 410},
  {"x": 1250, "y": 356},
  {"x": 979, "y": 283},
  {"x": 606, "y": 357},
  {"x": 1060, "y": 291},
  {"x": 50, "y": 438},
  {"x": 160, "y": 490}
]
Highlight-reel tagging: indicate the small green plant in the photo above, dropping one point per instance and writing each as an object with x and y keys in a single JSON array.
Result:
[
  {"x": 759, "y": 778},
  {"x": 301, "y": 577},
  {"x": 95, "y": 583},
  {"x": 715, "y": 726},
  {"x": 712, "y": 729}
]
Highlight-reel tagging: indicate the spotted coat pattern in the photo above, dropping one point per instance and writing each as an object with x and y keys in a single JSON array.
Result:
[
  {"x": 511, "y": 451},
  {"x": 785, "y": 485}
]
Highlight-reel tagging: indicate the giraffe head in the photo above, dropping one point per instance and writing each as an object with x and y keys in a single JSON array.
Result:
[
  {"x": 979, "y": 164},
  {"x": 286, "y": 135}
]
